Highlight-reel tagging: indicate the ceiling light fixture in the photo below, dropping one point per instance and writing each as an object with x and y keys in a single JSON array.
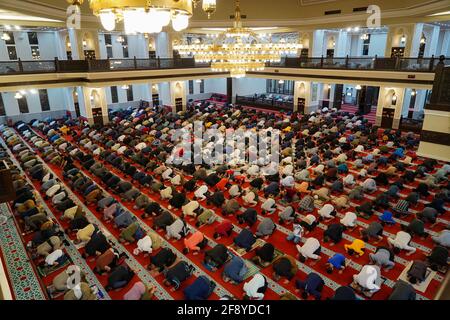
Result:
[
  {"x": 238, "y": 49},
  {"x": 146, "y": 16},
  {"x": 6, "y": 36}
]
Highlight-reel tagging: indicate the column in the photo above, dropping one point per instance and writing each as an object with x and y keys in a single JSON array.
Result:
[
  {"x": 230, "y": 90},
  {"x": 91, "y": 98},
  {"x": 76, "y": 44},
  {"x": 318, "y": 43},
  {"x": 435, "y": 136},
  {"x": 432, "y": 43},
  {"x": 69, "y": 101},
  {"x": 61, "y": 44},
  {"x": 445, "y": 45},
  {"x": 138, "y": 46},
  {"x": 421, "y": 95},
  {"x": 418, "y": 30},
  {"x": 342, "y": 44},
  {"x": 400, "y": 94},
  {"x": 177, "y": 92},
  {"x": 164, "y": 93},
  {"x": 163, "y": 43}
]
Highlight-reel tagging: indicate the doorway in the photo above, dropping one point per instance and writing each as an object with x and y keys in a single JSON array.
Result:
[
  {"x": 97, "y": 115},
  {"x": 387, "y": 118}
]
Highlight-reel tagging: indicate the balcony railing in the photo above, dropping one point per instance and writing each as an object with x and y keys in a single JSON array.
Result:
[
  {"x": 362, "y": 63},
  {"x": 64, "y": 66},
  {"x": 346, "y": 63}
]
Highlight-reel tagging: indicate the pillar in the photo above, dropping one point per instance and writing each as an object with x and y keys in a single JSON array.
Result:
[
  {"x": 163, "y": 43},
  {"x": 342, "y": 44},
  {"x": 91, "y": 98},
  {"x": 178, "y": 91},
  {"x": 421, "y": 96},
  {"x": 76, "y": 44},
  {"x": 164, "y": 93},
  {"x": 435, "y": 136},
  {"x": 318, "y": 42},
  {"x": 230, "y": 90}
]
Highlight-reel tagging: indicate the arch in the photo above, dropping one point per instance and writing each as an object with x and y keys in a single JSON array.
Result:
[
  {"x": 304, "y": 40},
  {"x": 301, "y": 90},
  {"x": 331, "y": 42},
  {"x": 388, "y": 99},
  {"x": 398, "y": 36},
  {"x": 95, "y": 99}
]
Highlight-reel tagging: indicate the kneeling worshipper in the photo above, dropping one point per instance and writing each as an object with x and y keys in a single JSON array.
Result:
[
  {"x": 140, "y": 292},
  {"x": 200, "y": 289},
  {"x": 177, "y": 274},
  {"x": 368, "y": 279},
  {"x": 81, "y": 291},
  {"x": 107, "y": 261},
  {"x": 235, "y": 270},
  {"x": 119, "y": 277},
  {"x": 285, "y": 266},
  {"x": 165, "y": 258},
  {"x": 216, "y": 257},
  {"x": 312, "y": 285},
  {"x": 255, "y": 288}
]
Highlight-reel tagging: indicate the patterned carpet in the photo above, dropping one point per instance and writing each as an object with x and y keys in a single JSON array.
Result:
[{"x": 23, "y": 280}]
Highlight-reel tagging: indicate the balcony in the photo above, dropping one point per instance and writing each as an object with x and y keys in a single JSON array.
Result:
[
  {"x": 365, "y": 63},
  {"x": 347, "y": 63},
  {"x": 84, "y": 66}
]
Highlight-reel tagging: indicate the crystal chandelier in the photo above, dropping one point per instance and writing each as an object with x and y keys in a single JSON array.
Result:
[
  {"x": 143, "y": 16},
  {"x": 238, "y": 49}
]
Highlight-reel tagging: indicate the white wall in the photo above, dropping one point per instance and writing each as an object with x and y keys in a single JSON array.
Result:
[
  {"x": 377, "y": 44},
  {"x": 47, "y": 45},
  {"x": 59, "y": 100},
  {"x": 138, "y": 46},
  {"x": 249, "y": 86},
  {"x": 217, "y": 85}
]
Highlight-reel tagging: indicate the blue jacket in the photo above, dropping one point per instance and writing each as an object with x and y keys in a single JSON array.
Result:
[
  {"x": 236, "y": 269},
  {"x": 200, "y": 289},
  {"x": 245, "y": 239}
]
